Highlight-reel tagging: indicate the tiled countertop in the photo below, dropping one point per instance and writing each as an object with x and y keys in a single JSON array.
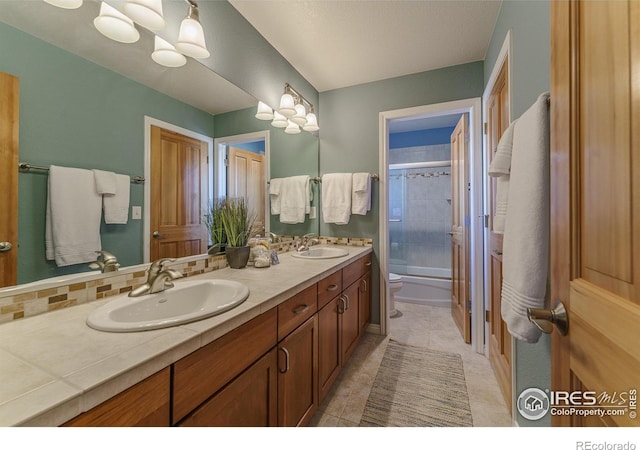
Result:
[{"x": 54, "y": 367}]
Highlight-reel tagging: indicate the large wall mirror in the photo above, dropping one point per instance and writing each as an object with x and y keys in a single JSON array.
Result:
[{"x": 83, "y": 104}]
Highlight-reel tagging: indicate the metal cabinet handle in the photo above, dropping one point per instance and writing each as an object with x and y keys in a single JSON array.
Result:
[
  {"x": 363, "y": 285},
  {"x": 332, "y": 287},
  {"x": 348, "y": 302},
  {"x": 342, "y": 306},
  {"x": 367, "y": 264},
  {"x": 300, "y": 309},
  {"x": 5, "y": 246},
  {"x": 545, "y": 319},
  {"x": 286, "y": 360}
]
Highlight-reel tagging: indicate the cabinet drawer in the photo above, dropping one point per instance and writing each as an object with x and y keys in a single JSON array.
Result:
[
  {"x": 296, "y": 310},
  {"x": 355, "y": 270},
  {"x": 329, "y": 288},
  {"x": 199, "y": 375}
]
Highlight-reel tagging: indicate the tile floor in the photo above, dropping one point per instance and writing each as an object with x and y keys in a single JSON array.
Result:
[{"x": 423, "y": 326}]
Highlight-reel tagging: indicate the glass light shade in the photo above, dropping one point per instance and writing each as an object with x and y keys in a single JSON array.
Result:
[
  {"x": 147, "y": 13},
  {"x": 287, "y": 107},
  {"x": 166, "y": 54},
  {"x": 191, "y": 37},
  {"x": 115, "y": 25},
  {"x": 66, "y": 4},
  {"x": 292, "y": 128},
  {"x": 312, "y": 123},
  {"x": 264, "y": 112},
  {"x": 279, "y": 121},
  {"x": 300, "y": 117}
]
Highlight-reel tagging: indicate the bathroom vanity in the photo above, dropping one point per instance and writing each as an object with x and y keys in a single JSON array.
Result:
[{"x": 268, "y": 362}]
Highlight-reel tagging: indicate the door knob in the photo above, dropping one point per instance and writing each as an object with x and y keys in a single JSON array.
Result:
[
  {"x": 545, "y": 319},
  {"x": 156, "y": 234},
  {"x": 5, "y": 246}
]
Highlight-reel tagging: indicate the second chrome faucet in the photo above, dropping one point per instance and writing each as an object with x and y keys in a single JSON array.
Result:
[{"x": 159, "y": 278}]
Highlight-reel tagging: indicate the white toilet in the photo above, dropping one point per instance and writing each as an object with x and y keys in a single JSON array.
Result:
[{"x": 395, "y": 284}]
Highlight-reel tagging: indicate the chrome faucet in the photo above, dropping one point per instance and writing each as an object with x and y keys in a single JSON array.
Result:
[
  {"x": 307, "y": 241},
  {"x": 158, "y": 279},
  {"x": 109, "y": 262},
  {"x": 274, "y": 237}
]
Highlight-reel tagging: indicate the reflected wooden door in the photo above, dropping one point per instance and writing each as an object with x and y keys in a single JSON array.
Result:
[
  {"x": 9, "y": 130},
  {"x": 245, "y": 178},
  {"x": 461, "y": 286},
  {"x": 499, "y": 337},
  {"x": 178, "y": 195},
  {"x": 595, "y": 202}
]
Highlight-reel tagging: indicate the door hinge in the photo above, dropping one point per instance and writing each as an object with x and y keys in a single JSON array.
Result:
[
  {"x": 486, "y": 127},
  {"x": 226, "y": 162},
  {"x": 468, "y": 303},
  {"x": 487, "y": 316}
]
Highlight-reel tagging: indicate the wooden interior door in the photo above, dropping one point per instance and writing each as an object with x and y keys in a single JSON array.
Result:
[
  {"x": 461, "y": 286},
  {"x": 499, "y": 337},
  {"x": 245, "y": 178},
  {"x": 9, "y": 131},
  {"x": 595, "y": 201},
  {"x": 178, "y": 195}
]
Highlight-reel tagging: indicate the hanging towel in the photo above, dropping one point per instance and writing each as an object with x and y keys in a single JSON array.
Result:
[
  {"x": 275, "y": 187},
  {"x": 336, "y": 197},
  {"x": 74, "y": 210},
  {"x": 105, "y": 182},
  {"x": 361, "y": 193},
  {"x": 500, "y": 168},
  {"x": 294, "y": 199},
  {"x": 116, "y": 207},
  {"x": 526, "y": 236}
]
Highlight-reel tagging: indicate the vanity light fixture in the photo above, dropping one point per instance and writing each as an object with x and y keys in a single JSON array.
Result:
[
  {"x": 147, "y": 13},
  {"x": 294, "y": 112},
  {"x": 166, "y": 54},
  {"x": 115, "y": 25},
  {"x": 66, "y": 4},
  {"x": 191, "y": 37}
]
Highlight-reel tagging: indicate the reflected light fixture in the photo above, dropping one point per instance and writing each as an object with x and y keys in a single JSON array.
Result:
[
  {"x": 66, "y": 4},
  {"x": 191, "y": 37},
  {"x": 292, "y": 128},
  {"x": 279, "y": 121},
  {"x": 287, "y": 106},
  {"x": 166, "y": 54},
  {"x": 292, "y": 113},
  {"x": 115, "y": 25},
  {"x": 147, "y": 13},
  {"x": 300, "y": 117},
  {"x": 312, "y": 122},
  {"x": 264, "y": 112}
]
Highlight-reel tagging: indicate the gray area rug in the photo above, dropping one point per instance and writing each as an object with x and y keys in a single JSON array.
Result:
[{"x": 418, "y": 387}]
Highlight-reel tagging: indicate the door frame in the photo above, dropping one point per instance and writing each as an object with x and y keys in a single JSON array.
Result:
[
  {"x": 148, "y": 123},
  {"x": 472, "y": 106}
]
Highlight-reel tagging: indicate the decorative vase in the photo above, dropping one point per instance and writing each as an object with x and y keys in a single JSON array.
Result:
[{"x": 237, "y": 257}]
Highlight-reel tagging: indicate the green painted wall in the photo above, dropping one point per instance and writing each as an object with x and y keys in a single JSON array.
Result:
[
  {"x": 529, "y": 22},
  {"x": 349, "y": 134},
  {"x": 78, "y": 114},
  {"x": 289, "y": 155}
]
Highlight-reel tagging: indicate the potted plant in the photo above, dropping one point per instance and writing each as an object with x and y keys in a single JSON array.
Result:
[
  {"x": 213, "y": 222},
  {"x": 239, "y": 226}
]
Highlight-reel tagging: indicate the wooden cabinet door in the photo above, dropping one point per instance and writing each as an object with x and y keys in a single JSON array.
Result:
[
  {"x": 329, "y": 350},
  {"x": 499, "y": 337},
  {"x": 298, "y": 375},
  {"x": 248, "y": 401},
  {"x": 364, "y": 301},
  {"x": 349, "y": 320},
  {"x": 595, "y": 203}
]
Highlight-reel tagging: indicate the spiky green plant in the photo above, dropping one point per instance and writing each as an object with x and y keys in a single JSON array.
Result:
[
  {"x": 213, "y": 222},
  {"x": 238, "y": 222}
]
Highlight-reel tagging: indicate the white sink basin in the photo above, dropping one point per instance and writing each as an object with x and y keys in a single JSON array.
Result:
[
  {"x": 188, "y": 301},
  {"x": 321, "y": 253}
]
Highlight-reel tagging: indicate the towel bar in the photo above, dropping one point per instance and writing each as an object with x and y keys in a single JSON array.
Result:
[{"x": 26, "y": 167}]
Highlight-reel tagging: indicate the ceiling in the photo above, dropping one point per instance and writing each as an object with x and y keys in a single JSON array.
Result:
[{"x": 334, "y": 44}]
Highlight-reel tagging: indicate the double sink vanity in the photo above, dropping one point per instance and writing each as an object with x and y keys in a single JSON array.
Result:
[{"x": 249, "y": 347}]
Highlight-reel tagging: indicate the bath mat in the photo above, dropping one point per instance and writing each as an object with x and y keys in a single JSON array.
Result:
[{"x": 418, "y": 387}]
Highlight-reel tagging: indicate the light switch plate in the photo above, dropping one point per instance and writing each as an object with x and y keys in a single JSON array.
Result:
[{"x": 136, "y": 212}]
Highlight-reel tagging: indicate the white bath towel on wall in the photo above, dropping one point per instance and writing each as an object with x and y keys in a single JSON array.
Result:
[
  {"x": 361, "y": 193},
  {"x": 105, "y": 182},
  {"x": 74, "y": 210},
  {"x": 526, "y": 235},
  {"x": 294, "y": 199},
  {"x": 116, "y": 207},
  {"x": 336, "y": 197},
  {"x": 500, "y": 168},
  {"x": 275, "y": 187}
]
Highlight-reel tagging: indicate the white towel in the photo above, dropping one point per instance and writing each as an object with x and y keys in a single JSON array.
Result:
[
  {"x": 336, "y": 197},
  {"x": 361, "y": 193},
  {"x": 526, "y": 235},
  {"x": 72, "y": 224},
  {"x": 501, "y": 162},
  {"x": 105, "y": 182},
  {"x": 116, "y": 207},
  {"x": 502, "y": 200},
  {"x": 275, "y": 187},
  {"x": 294, "y": 199}
]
